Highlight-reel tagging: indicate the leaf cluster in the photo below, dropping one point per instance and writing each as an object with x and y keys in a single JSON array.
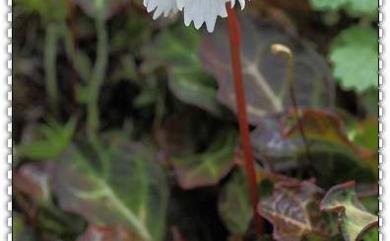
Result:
[{"x": 141, "y": 142}]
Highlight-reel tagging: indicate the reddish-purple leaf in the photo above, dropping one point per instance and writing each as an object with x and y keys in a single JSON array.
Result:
[
  {"x": 270, "y": 145},
  {"x": 265, "y": 73},
  {"x": 320, "y": 125},
  {"x": 95, "y": 233},
  {"x": 33, "y": 180},
  {"x": 327, "y": 127},
  {"x": 294, "y": 210},
  {"x": 130, "y": 192}
]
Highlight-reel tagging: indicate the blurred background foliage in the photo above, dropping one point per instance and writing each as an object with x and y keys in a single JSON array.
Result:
[{"x": 125, "y": 127}]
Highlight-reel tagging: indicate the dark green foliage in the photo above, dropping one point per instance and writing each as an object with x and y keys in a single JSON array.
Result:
[{"x": 125, "y": 128}]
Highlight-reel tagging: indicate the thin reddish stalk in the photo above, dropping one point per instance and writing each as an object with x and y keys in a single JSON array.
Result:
[{"x": 235, "y": 43}]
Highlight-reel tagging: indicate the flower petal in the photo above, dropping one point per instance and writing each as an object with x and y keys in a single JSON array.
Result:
[
  {"x": 202, "y": 11},
  {"x": 160, "y": 7},
  {"x": 197, "y": 11}
]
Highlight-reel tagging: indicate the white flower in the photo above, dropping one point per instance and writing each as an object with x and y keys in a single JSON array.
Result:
[
  {"x": 165, "y": 7},
  {"x": 197, "y": 11}
]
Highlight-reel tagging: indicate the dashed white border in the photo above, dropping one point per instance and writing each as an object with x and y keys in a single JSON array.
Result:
[
  {"x": 6, "y": 118},
  {"x": 9, "y": 114},
  {"x": 384, "y": 118}
]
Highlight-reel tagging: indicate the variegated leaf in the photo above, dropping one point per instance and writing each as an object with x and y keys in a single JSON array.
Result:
[
  {"x": 294, "y": 210},
  {"x": 208, "y": 167},
  {"x": 95, "y": 233},
  {"x": 264, "y": 73},
  {"x": 354, "y": 219},
  {"x": 130, "y": 189},
  {"x": 234, "y": 205}
]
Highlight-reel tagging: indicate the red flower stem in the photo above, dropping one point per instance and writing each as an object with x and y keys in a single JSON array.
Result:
[{"x": 235, "y": 42}]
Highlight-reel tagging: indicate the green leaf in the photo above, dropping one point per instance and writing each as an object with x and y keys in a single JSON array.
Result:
[
  {"x": 355, "y": 220},
  {"x": 369, "y": 101},
  {"x": 131, "y": 191},
  {"x": 176, "y": 50},
  {"x": 372, "y": 235},
  {"x": 54, "y": 139},
  {"x": 329, "y": 129},
  {"x": 371, "y": 202},
  {"x": 294, "y": 210},
  {"x": 20, "y": 230},
  {"x": 363, "y": 7},
  {"x": 194, "y": 87},
  {"x": 234, "y": 205},
  {"x": 49, "y": 10},
  {"x": 328, "y": 5},
  {"x": 353, "y": 7},
  {"x": 365, "y": 133},
  {"x": 355, "y": 58},
  {"x": 209, "y": 167}
]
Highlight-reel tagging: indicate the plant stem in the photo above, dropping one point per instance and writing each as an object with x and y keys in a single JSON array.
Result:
[
  {"x": 69, "y": 35},
  {"x": 295, "y": 106},
  {"x": 282, "y": 49},
  {"x": 234, "y": 36},
  {"x": 97, "y": 78},
  {"x": 50, "y": 65},
  {"x": 73, "y": 55}
]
